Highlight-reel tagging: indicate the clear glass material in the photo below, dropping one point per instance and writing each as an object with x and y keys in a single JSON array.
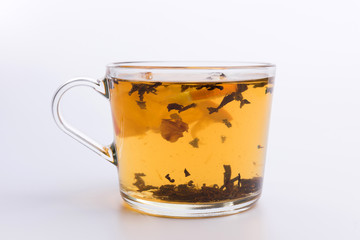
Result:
[{"x": 190, "y": 137}]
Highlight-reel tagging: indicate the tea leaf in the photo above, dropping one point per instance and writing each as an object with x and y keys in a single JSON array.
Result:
[
  {"x": 140, "y": 183},
  {"x": 195, "y": 143},
  {"x": 178, "y": 107},
  {"x": 268, "y": 90},
  {"x": 143, "y": 88},
  {"x": 228, "y": 182},
  {"x": 172, "y": 129},
  {"x": 190, "y": 193},
  {"x": 227, "y": 123},
  {"x": 259, "y": 85},
  {"x": 169, "y": 178},
  {"x": 186, "y": 173},
  {"x": 243, "y": 102},
  {"x": 212, "y": 110},
  {"x": 237, "y": 95},
  {"x": 187, "y": 107},
  {"x": 175, "y": 116},
  {"x": 174, "y": 106},
  {"x": 141, "y": 104},
  {"x": 184, "y": 87},
  {"x": 209, "y": 87},
  {"x": 241, "y": 88},
  {"x": 228, "y": 98}
]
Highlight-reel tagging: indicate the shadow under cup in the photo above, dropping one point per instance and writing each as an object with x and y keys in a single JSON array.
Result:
[{"x": 190, "y": 138}]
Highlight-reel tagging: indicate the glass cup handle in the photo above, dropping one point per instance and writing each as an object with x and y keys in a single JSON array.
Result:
[{"x": 106, "y": 152}]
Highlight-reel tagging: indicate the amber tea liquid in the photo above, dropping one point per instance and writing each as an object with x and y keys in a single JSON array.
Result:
[{"x": 191, "y": 142}]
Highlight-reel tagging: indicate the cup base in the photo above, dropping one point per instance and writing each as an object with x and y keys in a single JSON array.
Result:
[{"x": 198, "y": 210}]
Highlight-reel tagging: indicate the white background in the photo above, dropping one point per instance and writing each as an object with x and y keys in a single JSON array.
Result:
[{"x": 51, "y": 187}]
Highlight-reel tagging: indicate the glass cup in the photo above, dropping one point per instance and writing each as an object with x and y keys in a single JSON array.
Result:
[{"x": 190, "y": 137}]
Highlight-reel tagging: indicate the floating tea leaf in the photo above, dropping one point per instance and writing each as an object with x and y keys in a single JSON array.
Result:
[
  {"x": 226, "y": 100},
  {"x": 172, "y": 129},
  {"x": 195, "y": 143},
  {"x": 259, "y": 85},
  {"x": 178, "y": 107},
  {"x": 268, "y": 90},
  {"x": 187, "y": 107},
  {"x": 186, "y": 173},
  {"x": 237, "y": 95},
  {"x": 209, "y": 87},
  {"x": 243, "y": 102},
  {"x": 169, "y": 178},
  {"x": 174, "y": 106},
  {"x": 227, "y": 123},
  {"x": 143, "y": 88},
  {"x": 175, "y": 116},
  {"x": 141, "y": 104},
  {"x": 241, "y": 88}
]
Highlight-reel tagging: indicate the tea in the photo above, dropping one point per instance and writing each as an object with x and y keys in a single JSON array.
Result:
[{"x": 198, "y": 142}]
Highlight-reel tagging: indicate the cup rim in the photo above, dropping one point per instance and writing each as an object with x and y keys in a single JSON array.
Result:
[{"x": 191, "y": 65}]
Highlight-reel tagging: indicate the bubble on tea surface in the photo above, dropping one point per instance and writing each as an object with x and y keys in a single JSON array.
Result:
[{"x": 217, "y": 76}]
